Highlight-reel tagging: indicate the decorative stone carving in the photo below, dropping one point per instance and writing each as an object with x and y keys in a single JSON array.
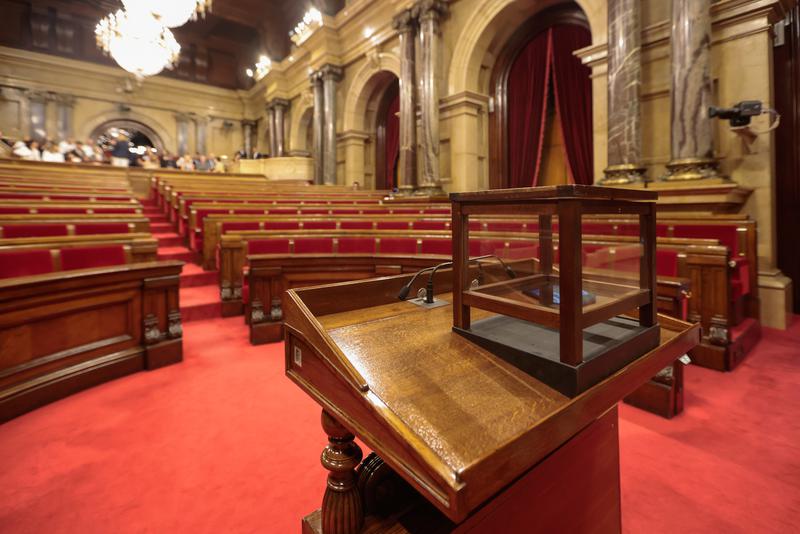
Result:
[
  {"x": 276, "y": 312},
  {"x": 257, "y": 312},
  {"x": 237, "y": 292},
  {"x": 225, "y": 292},
  {"x": 319, "y": 126},
  {"x": 331, "y": 75},
  {"x": 152, "y": 334},
  {"x": 174, "y": 328}
]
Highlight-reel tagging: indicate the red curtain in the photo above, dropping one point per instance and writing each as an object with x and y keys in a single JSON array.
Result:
[
  {"x": 572, "y": 88},
  {"x": 392, "y": 146},
  {"x": 527, "y": 110}
]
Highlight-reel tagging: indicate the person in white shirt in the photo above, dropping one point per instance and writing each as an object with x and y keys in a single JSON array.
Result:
[
  {"x": 89, "y": 151},
  {"x": 66, "y": 146},
  {"x": 50, "y": 153},
  {"x": 21, "y": 150}
]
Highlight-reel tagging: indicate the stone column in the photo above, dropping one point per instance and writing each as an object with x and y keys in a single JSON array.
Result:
[
  {"x": 319, "y": 123},
  {"x": 37, "y": 119},
  {"x": 429, "y": 13},
  {"x": 248, "y": 127},
  {"x": 692, "y": 150},
  {"x": 64, "y": 108},
  {"x": 624, "y": 81},
  {"x": 273, "y": 147},
  {"x": 182, "y": 133},
  {"x": 406, "y": 26},
  {"x": 201, "y": 134},
  {"x": 331, "y": 74},
  {"x": 279, "y": 107}
]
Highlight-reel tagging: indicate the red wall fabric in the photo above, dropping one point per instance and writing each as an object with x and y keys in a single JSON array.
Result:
[
  {"x": 392, "y": 146},
  {"x": 527, "y": 110},
  {"x": 573, "y": 94}
]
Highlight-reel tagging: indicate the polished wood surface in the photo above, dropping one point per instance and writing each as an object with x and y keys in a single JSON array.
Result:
[
  {"x": 453, "y": 420},
  {"x": 66, "y": 331}
]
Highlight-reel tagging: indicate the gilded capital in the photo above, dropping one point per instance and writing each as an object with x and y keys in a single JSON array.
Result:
[
  {"x": 404, "y": 21},
  {"x": 430, "y": 10}
]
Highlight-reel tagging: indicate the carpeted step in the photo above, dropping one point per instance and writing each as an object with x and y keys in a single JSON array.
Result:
[
  {"x": 161, "y": 227},
  {"x": 198, "y": 303},
  {"x": 168, "y": 239},
  {"x": 177, "y": 253},
  {"x": 194, "y": 276}
]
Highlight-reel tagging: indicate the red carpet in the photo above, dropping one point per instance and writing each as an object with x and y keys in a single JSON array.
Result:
[{"x": 225, "y": 443}]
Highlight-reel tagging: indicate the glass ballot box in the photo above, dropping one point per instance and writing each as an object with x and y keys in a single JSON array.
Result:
[{"x": 544, "y": 279}]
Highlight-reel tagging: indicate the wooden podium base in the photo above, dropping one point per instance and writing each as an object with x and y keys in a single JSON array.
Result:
[{"x": 575, "y": 489}]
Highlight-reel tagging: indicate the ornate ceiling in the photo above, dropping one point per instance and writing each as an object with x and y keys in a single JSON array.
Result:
[{"x": 215, "y": 50}]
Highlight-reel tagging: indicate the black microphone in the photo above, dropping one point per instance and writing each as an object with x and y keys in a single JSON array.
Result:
[{"x": 407, "y": 288}]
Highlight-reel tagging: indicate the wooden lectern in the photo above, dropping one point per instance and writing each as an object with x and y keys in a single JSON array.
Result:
[{"x": 463, "y": 441}]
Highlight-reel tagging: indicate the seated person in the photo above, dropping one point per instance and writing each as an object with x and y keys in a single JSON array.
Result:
[{"x": 51, "y": 153}]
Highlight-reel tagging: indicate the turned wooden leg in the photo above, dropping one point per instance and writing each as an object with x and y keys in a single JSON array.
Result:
[{"x": 342, "y": 508}]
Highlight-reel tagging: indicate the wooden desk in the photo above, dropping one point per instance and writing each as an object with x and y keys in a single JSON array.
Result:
[{"x": 458, "y": 424}]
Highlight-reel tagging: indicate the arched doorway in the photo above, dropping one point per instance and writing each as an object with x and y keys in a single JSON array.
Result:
[
  {"x": 387, "y": 137},
  {"x": 541, "y": 130},
  {"x": 143, "y": 138}
]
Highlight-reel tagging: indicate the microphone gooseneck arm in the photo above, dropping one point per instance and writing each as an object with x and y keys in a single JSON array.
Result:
[{"x": 404, "y": 291}]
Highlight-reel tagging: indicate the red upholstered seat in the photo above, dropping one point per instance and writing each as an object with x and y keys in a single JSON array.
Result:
[
  {"x": 398, "y": 245},
  {"x": 56, "y": 211},
  {"x": 391, "y": 225},
  {"x": 355, "y": 225},
  {"x": 430, "y": 225},
  {"x": 21, "y": 196},
  {"x": 282, "y": 211},
  {"x": 34, "y": 230},
  {"x": 15, "y": 263},
  {"x": 504, "y": 226},
  {"x": 434, "y": 245},
  {"x": 666, "y": 262},
  {"x": 436, "y": 211},
  {"x": 339, "y": 211},
  {"x": 244, "y": 225},
  {"x": 374, "y": 211},
  {"x": 319, "y": 225},
  {"x": 101, "y": 228},
  {"x": 313, "y": 245},
  {"x": 115, "y": 210},
  {"x": 89, "y": 257},
  {"x": 728, "y": 235},
  {"x": 281, "y": 225},
  {"x": 405, "y": 211},
  {"x": 481, "y": 247},
  {"x": 314, "y": 211},
  {"x": 597, "y": 228},
  {"x": 475, "y": 226},
  {"x": 268, "y": 246},
  {"x": 356, "y": 245},
  {"x": 248, "y": 211}
]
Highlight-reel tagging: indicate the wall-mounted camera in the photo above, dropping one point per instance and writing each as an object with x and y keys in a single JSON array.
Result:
[{"x": 740, "y": 114}]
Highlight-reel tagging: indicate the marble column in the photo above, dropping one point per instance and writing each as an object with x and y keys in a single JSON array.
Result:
[
  {"x": 37, "y": 118},
  {"x": 64, "y": 107},
  {"x": 331, "y": 75},
  {"x": 201, "y": 134},
  {"x": 182, "y": 133},
  {"x": 319, "y": 123},
  {"x": 406, "y": 26},
  {"x": 273, "y": 133},
  {"x": 692, "y": 150},
  {"x": 279, "y": 107},
  {"x": 624, "y": 81},
  {"x": 248, "y": 127},
  {"x": 429, "y": 14}
]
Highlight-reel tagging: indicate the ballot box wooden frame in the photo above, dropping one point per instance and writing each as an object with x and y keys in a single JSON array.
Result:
[
  {"x": 460, "y": 428},
  {"x": 565, "y": 362}
]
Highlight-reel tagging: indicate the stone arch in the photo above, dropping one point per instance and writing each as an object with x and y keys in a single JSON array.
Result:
[
  {"x": 301, "y": 124},
  {"x": 159, "y": 135},
  {"x": 365, "y": 82},
  {"x": 489, "y": 27}
]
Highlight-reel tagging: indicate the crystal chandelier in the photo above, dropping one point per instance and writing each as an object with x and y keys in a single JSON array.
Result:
[
  {"x": 262, "y": 68},
  {"x": 311, "y": 21},
  {"x": 170, "y": 13},
  {"x": 138, "y": 42}
]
